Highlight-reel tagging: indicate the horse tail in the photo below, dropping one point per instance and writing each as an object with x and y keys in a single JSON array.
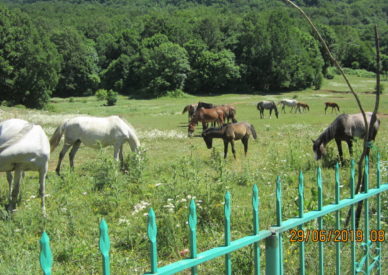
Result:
[
  {"x": 253, "y": 131},
  {"x": 56, "y": 138},
  {"x": 232, "y": 114}
]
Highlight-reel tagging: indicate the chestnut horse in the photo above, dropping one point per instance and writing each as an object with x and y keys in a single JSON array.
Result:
[
  {"x": 206, "y": 115},
  {"x": 333, "y": 106},
  {"x": 303, "y": 105}
]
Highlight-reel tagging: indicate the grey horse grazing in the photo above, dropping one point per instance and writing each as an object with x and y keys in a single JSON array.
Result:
[
  {"x": 229, "y": 133},
  {"x": 344, "y": 127},
  {"x": 269, "y": 105}
]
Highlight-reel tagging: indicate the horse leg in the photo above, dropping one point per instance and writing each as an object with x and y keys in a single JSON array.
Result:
[
  {"x": 244, "y": 140},
  {"x": 73, "y": 152},
  {"x": 42, "y": 188},
  {"x": 326, "y": 108},
  {"x": 233, "y": 150},
  {"x": 350, "y": 146},
  {"x": 339, "y": 146},
  {"x": 16, "y": 187},
  {"x": 270, "y": 113},
  {"x": 61, "y": 156},
  {"x": 9, "y": 179},
  {"x": 225, "y": 148}
]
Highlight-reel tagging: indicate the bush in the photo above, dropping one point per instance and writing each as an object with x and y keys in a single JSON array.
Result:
[
  {"x": 178, "y": 93},
  {"x": 101, "y": 94},
  {"x": 111, "y": 98}
]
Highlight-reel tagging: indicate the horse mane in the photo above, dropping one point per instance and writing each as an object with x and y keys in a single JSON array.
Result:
[
  {"x": 186, "y": 109},
  {"x": 16, "y": 137},
  {"x": 330, "y": 132}
]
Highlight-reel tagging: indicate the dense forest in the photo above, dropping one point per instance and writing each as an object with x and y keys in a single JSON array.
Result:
[{"x": 150, "y": 48}]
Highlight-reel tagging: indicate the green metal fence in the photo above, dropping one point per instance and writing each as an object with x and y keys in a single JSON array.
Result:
[{"x": 272, "y": 236}]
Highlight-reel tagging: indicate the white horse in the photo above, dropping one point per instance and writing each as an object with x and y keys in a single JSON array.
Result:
[
  {"x": 94, "y": 132},
  {"x": 288, "y": 102},
  {"x": 23, "y": 146}
]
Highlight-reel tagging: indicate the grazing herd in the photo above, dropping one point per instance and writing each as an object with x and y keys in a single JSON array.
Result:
[{"x": 25, "y": 146}]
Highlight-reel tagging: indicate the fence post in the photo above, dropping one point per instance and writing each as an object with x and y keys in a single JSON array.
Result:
[
  {"x": 352, "y": 217},
  {"x": 337, "y": 219},
  {"x": 301, "y": 208},
  {"x": 152, "y": 232},
  {"x": 255, "y": 208},
  {"x": 279, "y": 221},
  {"x": 104, "y": 244},
  {"x": 320, "y": 221},
  {"x": 193, "y": 234},
  {"x": 228, "y": 261},
  {"x": 366, "y": 213},
  {"x": 378, "y": 176},
  {"x": 45, "y": 258},
  {"x": 272, "y": 255}
]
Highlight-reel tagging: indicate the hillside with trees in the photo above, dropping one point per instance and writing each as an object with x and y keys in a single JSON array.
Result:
[{"x": 148, "y": 48}]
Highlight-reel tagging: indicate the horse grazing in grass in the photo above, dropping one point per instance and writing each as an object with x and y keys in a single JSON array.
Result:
[
  {"x": 94, "y": 132},
  {"x": 288, "y": 102},
  {"x": 333, "y": 105},
  {"x": 344, "y": 127},
  {"x": 205, "y": 116},
  {"x": 23, "y": 146},
  {"x": 302, "y": 105},
  {"x": 269, "y": 105},
  {"x": 190, "y": 109},
  {"x": 229, "y": 133}
]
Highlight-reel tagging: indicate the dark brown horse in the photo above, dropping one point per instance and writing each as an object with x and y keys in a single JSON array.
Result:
[
  {"x": 205, "y": 116},
  {"x": 333, "y": 106},
  {"x": 229, "y": 133},
  {"x": 302, "y": 105},
  {"x": 344, "y": 127}
]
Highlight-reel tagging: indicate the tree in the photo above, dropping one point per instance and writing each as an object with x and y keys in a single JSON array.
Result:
[
  {"x": 164, "y": 66},
  {"x": 29, "y": 62},
  {"x": 79, "y": 70}
]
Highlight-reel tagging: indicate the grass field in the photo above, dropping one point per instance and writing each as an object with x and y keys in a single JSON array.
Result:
[{"x": 172, "y": 169}]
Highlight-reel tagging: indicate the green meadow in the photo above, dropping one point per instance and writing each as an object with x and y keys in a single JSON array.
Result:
[{"x": 170, "y": 170}]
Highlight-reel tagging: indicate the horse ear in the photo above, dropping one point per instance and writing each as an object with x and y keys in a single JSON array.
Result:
[{"x": 313, "y": 141}]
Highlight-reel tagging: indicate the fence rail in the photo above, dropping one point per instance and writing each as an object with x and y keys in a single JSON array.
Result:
[{"x": 271, "y": 236}]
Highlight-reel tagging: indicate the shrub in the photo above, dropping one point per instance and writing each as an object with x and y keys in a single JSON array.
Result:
[
  {"x": 178, "y": 93},
  {"x": 101, "y": 94},
  {"x": 111, "y": 98}
]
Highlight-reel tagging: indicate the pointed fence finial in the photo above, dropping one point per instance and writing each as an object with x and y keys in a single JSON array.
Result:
[
  {"x": 46, "y": 257},
  {"x": 104, "y": 244},
  {"x": 152, "y": 231}
]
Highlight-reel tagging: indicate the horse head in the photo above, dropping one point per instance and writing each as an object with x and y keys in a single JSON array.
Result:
[
  {"x": 319, "y": 149},
  {"x": 208, "y": 140},
  {"x": 191, "y": 129}
]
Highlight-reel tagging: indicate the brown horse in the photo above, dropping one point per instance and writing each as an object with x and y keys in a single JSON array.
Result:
[
  {"x": 205, "y": 116},
  {"x": 229, "y": 112},
  {"x": 229, "y": 133},
  {"x": 190, "y": 109},
  {"x": 303, "y": 105},
  {"x": 333, "y": 106}
]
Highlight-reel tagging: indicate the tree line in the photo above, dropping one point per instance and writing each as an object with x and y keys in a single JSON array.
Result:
[{"x": 151, "y": 48}]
